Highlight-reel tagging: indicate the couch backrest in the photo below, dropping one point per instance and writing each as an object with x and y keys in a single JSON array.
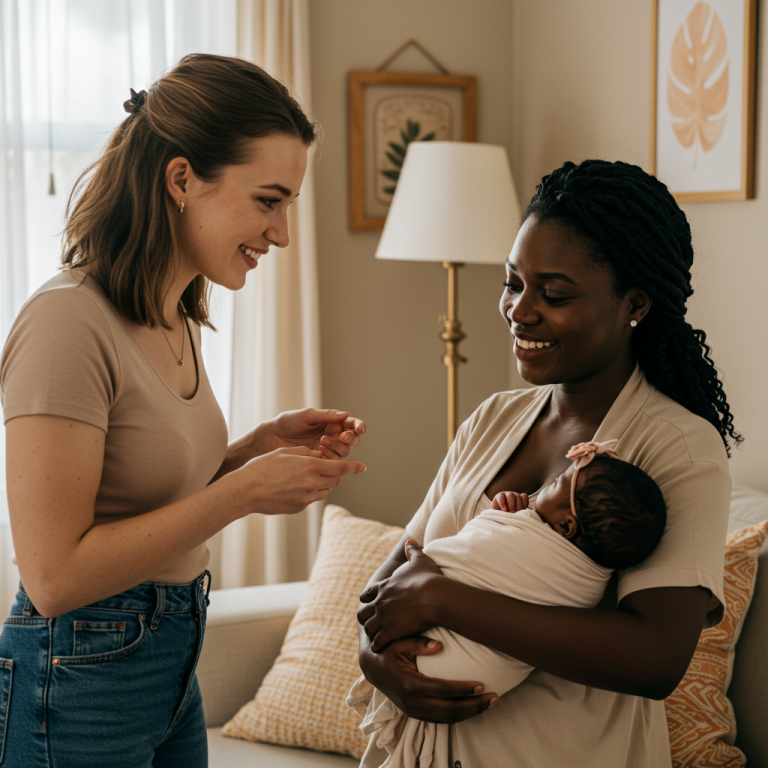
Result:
[{"x": 748, "y": 691}]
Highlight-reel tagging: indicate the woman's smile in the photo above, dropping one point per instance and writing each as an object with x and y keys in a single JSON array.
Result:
[{"x": 252, "y": 255}]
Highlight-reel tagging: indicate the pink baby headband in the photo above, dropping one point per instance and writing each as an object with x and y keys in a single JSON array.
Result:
[{"x": 581, "y": 454}]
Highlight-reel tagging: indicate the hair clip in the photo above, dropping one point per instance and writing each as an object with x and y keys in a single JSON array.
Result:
[{"x": 136, "y": 102}]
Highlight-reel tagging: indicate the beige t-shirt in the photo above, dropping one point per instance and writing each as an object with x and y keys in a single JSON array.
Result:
[
  {"x": 548, "y": 721},
  {"x": 71, "y": 354}
]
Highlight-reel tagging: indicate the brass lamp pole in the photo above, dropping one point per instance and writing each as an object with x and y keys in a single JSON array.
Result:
[{"x": 452, "y": 335}]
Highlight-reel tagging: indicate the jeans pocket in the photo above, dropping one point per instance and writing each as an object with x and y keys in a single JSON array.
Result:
[
  {"x": 95, "y": 642},
  {"x": 97, "y": 637},
  {"x": 6, "y": 678}
]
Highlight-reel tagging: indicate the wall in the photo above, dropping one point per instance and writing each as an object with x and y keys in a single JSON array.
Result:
[
  {"x": 380, "y": 348},
  {"x": 558, "y": 80},
  {"x": 582, "y": 89}
]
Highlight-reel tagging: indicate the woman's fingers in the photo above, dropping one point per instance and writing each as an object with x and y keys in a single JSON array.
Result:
[
  {"x": 289, "y": 479},
  {"x": 355, "y": 426},
  {"x": 337, "y": 468},
  {"x": 333, "y": 448},
  {"x": 432, "y": 699},
  {"x": 449, "y": 711}
]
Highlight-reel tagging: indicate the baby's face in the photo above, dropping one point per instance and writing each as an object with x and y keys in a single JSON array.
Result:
[{"x": 553, "y": 504}]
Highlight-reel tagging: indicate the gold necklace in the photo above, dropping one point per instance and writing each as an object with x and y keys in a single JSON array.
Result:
[{"x": 179, "y": 360}]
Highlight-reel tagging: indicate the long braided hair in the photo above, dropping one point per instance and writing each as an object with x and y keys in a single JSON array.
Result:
[{"x": 632, "y": 224}]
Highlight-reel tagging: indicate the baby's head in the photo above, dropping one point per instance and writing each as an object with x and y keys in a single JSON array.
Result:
[{"x": 615, "y": 513}]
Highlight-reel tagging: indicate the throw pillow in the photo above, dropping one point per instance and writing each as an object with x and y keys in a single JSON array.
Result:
[
  {"x": 302, "y": 700},
  {"x": 702, "y": 726}
]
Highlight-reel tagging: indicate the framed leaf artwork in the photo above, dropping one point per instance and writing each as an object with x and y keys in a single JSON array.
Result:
[
  {"x": 703, "y": 97},
  {"x": 388, "y": 111}
]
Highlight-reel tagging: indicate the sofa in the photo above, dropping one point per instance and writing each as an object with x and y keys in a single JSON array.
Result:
[{"x": 246, "y": 628}]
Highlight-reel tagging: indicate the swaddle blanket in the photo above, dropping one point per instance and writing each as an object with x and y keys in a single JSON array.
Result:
[{"x": 515, "y": 554}]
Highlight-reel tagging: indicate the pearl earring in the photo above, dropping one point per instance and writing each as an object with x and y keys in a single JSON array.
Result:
[
  {"x": 181, "y": 206},
  {"x": 633, "y": 323}
]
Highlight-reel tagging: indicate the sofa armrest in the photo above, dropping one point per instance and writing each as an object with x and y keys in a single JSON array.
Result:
[{"x": 243, "y": 636}]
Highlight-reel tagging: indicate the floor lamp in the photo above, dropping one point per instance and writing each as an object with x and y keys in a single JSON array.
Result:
[{"x": 455, "y": 203}]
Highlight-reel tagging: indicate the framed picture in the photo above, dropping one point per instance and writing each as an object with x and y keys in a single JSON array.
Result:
[
  {"x": 389, "y": 110},
  {"x": 703, "y": 97}
]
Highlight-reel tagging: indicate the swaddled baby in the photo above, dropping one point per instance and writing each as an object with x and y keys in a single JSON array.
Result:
[{"x": 600, "y": 514}]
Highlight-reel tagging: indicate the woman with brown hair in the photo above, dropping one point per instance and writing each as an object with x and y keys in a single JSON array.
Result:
[
  {"x": 118, "y": 465},
  {"x": 595, "y": 299}
]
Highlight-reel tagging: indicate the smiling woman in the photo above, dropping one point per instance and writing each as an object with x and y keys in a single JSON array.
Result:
[
  {"x": 595, "y": 297},
  {"x": 119, "y": 468}
]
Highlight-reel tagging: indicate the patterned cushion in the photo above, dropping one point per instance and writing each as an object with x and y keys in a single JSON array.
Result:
[
  {"x": 301, "y": 702},
  {"x": 702, "y": 727}
]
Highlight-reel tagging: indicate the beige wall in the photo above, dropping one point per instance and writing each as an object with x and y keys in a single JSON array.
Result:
[
  {"x": 582, "y": 89},
  {"x": 380, "y": 347},
  {"x": 558, "y": 80}
]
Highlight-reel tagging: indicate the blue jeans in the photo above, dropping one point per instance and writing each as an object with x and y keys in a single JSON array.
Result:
[{"x": 110, "y": 685}]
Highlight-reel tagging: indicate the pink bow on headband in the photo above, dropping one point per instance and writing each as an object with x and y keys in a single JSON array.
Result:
[{"x": 581, "y": 454}]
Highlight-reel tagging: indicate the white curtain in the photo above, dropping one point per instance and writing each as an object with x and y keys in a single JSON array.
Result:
[
  {"x": 65, "y": 70},
  {"x": 275, "y": 339}
]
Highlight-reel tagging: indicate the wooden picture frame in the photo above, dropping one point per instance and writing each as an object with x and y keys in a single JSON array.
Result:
[
  {"x": 703, "y": 98},
  {"x": 387, "y": 110}
]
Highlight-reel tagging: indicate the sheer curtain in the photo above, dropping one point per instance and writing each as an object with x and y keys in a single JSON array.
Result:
[
  {"x": 275, "y": 351},
  {"x": 65, "y": 70}
]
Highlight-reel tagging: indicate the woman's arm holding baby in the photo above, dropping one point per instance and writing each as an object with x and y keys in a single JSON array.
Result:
[
  {"x": 393, "y": 670},
  {"x": 642, "y": 649}
]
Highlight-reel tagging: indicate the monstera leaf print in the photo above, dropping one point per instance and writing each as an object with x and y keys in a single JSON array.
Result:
[
  {"x": 396, "y": 155},
  {"x": 696, "y": 102}
]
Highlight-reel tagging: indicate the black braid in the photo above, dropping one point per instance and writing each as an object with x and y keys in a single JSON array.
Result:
[{"x": 633, "y": 224}]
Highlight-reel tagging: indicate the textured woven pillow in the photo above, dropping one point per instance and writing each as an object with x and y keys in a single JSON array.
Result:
[
  {"x": 702, "y": 726},
  {"x": 301, "y": 702}
]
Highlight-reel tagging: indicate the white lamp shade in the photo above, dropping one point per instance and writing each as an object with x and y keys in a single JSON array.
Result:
[{"x": 455, "y": 201}]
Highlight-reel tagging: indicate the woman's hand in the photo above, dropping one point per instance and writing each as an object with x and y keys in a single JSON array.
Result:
[
  {"x": 287, "y": 480},
  {"x": 331, "y": 432},
  {"x": 394, "y": 672},
  {"x": 400, "y": 606}
]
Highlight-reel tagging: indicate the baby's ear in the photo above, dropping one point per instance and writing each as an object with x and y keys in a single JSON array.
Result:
[{"x": 568, "y": 527}]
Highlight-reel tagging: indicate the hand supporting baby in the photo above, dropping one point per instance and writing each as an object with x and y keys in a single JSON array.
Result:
[{"x": 510, "y": 501}]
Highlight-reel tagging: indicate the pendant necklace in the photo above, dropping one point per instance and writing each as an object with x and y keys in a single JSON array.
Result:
[{"x": 179, "y": 360}]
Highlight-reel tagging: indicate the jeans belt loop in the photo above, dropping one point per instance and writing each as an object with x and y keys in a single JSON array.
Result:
[
  {"x": 29, "y": 609},
  {"x": 201, "y": 592},
  {"x": 207, "y": 575},
  {"x": 160, "y": 590}
]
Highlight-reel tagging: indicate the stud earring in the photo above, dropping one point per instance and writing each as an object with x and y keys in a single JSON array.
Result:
[
  {"x": 181, "y": 206},
  {"x": 633, "y": 323}
]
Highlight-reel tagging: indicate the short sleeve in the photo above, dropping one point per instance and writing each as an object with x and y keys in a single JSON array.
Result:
[
  {"x": 59, "y": 359},
  {"x": 690, "y": 467}
]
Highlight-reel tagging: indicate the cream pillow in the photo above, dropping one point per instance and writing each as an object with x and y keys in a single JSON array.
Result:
[
  {"x": 301, "y": 702},
  {"x": 702, "y": 726}
]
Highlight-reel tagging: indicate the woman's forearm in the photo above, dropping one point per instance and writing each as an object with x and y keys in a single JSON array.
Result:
[
  {"x": 642, "y": 649},
  {"x": 113, "y": 557}
]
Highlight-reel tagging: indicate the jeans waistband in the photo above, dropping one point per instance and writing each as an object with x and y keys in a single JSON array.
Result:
[{"x": 151, "y": 597}]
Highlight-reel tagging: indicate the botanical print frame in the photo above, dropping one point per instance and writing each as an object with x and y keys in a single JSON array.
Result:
[
  {"x": 703, "y": 97},
  {"x": 388, "y": 110}
]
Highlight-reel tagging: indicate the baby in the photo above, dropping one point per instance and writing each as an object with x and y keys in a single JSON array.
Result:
[
  {"x": 600, "y": 514},
  {"x": 621, "y": 512}
]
